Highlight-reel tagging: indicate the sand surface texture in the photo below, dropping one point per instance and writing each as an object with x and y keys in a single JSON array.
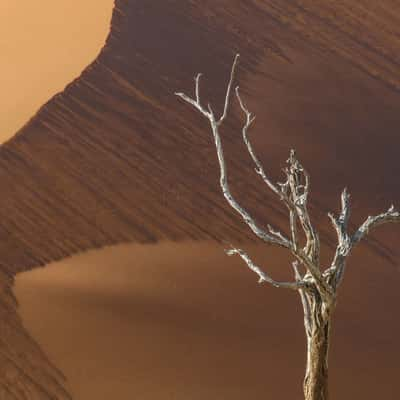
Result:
[
  {"x": 185, "y": 321},
  {"x": 117, "y": 158}
]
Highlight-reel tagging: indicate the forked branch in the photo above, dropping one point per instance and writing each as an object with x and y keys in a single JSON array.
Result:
[
  {"x": 294, "y": 194},
  {"x": 317, "y": 287},
  {"x": 215, "y": 123},
  {"x": 391, "y": 215},
  {"x": 264, "y": 277},
  {"x": 346, "y": 241},
  {"x": 259, "y": 167}
]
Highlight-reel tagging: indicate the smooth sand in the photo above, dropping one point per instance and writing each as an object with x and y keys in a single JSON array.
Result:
[
  {"x": 44, "y": 45},
  {"x": 185, "y": 321}
]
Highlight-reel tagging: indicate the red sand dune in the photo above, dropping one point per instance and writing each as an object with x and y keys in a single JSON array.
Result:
[{"x": 117, "y": 158}]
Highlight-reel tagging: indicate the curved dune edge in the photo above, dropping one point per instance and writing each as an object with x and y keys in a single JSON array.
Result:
[
  {"x": 30, "y": 78},
  {"x": 44, "y": 47},
  {"x": 93, "y": 168},
  {"x": 77, "y": 176},
  {"x": 186, "y": 321}
]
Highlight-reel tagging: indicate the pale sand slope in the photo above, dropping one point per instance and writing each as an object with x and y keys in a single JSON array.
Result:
[
  {"x": 185, "y": 321},
  {"x": 44, "y": 45}
]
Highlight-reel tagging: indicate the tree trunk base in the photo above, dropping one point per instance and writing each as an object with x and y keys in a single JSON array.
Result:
[{"x": 316, "y": 378}]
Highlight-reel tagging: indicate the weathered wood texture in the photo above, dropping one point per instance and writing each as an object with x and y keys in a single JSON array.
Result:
[{"x": 116, "y": 158}]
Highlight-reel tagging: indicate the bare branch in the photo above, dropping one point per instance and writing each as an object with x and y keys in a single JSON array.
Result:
[
  {"x": 259, "y": 168},
  {"x": 336, "y": 272},
  {"x": 297, "y": 205},
  {"x": 372, "y": 222},
  {"x": 341, "y": 224},
  {"x": 297, "y": 275},
  {"x": 299, "y": 185},
  {"x": 293, "y": 229},
  {"x": 263, "y": 277},
  {"x": 277, "y": 234},
  {"x": 228, "y": 90},
  {"x": 250, "y": 221},
  {"x": 345, "y": 212},
  {"x": 304, "y": 299},
  {"x": 194, "y": 103},
  {"x": 323, "y": 287},
  {"x": 197, "y": 90},
  {"x": 345, "y": 241}
]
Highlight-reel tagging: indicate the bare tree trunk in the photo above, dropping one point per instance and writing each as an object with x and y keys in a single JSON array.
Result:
[{"x": 318, "y": 336}]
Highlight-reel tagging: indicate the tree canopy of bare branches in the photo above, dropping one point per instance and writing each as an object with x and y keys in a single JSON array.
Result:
[{"x": 316, "y": 284}]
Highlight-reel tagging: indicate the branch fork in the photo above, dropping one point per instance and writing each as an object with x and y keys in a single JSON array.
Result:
[
  {"x": 294, "y": 193},
  {"x": 316, "y": 286}
]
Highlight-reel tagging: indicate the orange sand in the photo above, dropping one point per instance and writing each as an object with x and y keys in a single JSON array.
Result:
[
  {"x": 44, "y": 45},
  {"x": 186, "y": 322}
]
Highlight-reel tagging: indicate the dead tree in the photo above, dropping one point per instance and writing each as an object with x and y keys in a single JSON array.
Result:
[{"x": 317, "y": 286}]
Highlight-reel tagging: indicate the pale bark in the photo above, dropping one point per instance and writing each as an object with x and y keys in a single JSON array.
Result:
[
  {"x": 316, "y": 285},
  {"x": 318, "y": 328},
  {"x": 316, "y": 378}
]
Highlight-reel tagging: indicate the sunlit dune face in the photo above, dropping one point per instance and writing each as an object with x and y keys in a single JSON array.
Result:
[{"x": 45, "y": 44}]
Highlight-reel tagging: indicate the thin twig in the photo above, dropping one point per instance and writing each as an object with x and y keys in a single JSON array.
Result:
[
  {"x": 264, "y": 277},
  {"x": 228, "y": 90}
]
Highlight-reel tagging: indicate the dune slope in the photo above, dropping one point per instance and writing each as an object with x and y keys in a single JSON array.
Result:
[{"x": 116, "y": 157}]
